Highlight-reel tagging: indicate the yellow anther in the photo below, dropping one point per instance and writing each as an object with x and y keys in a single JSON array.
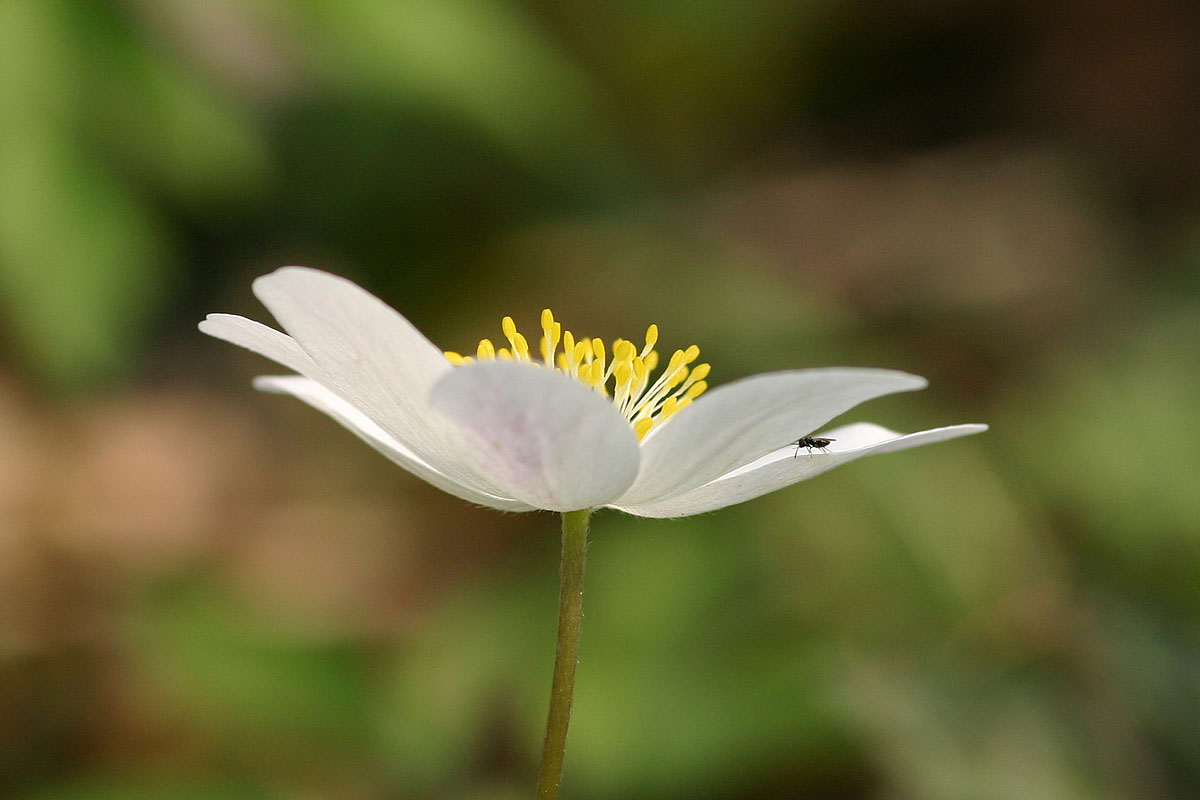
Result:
[
  {"x": 486, "y": 351},
  {"x": 668, "y": 408},
  {"x": 695, "y": 390},
  {"x": 651, "y": 338},
  {"x": 504, "y": 354},
  {"x": 652, "y": 360},
  {"x": 691, "y": 354},
  {"x": 560, "y": 361},
  {"x": 598, "y": 362},
  {"x": 625, "y": 351},
  {"x": 699, "y": 372},
  {"x": 555, "y": 335},
  {"x": 622, "y": 372},
  {"x": 639, "y": 368},
  {"x": 676, "y": 377},
  {"x": 455, "y": 358},
  {"x": 569, "y": 360},
  {"x": 684, "y": 403},
  {"x": 643, "y": 426},
  {"x": 676, "y": 361},
  {"x": 520, "y": 346},
  {"x": 551, "y": 331},
  {"x": 581, "y": 351}
]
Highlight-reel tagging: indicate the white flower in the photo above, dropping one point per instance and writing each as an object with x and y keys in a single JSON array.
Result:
[{"x": 580, "y": 428}]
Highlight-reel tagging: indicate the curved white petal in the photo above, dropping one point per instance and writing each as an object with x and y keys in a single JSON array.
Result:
[
  {"x": 783, "y": 467},
  {"x": 264, "y": 340},
  {"x": 360, "y": 424},
  {"x": 738, "y": 422},
  {"x": 538, "y": 436},
  {"x": 367, "y": 353}
]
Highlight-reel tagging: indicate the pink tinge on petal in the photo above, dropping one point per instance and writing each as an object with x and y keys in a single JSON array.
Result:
[{"x": 539, "y": 436}]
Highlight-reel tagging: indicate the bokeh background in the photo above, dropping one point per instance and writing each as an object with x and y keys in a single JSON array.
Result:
[{"x": 209, "y": 594}]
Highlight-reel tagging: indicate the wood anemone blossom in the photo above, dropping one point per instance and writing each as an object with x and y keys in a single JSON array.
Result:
[{"x": 565, "y": 430}]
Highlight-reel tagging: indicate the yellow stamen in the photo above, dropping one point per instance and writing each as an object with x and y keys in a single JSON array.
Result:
[
  {"x": 598, "y": 373},
  {"x": 622, "y": 370},
  {"x": 651, "y": 339},
  {"x": 676, "y": 362},
  {"x": 622, "y": 373},
  {"x": 551, "y": 331},
  {"x": 639, "y": 368},
  {"x": 521, "y": 347},
  {"x": 597, "y": 377},
  {"x": 697, "y": 389},
  {"x": 569, "y": 352}
]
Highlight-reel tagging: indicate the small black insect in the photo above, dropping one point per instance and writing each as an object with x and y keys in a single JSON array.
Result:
[{"x": 811, "y": 443}]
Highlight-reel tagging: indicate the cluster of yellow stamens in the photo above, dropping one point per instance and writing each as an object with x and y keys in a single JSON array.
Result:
[{"x": 625, "y": 377}]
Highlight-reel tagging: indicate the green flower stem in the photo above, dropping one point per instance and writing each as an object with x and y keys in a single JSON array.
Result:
[{"x": 566, "y": 656}]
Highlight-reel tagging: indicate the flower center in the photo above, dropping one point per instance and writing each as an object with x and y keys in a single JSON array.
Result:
[{"x": 626, "y": 377}]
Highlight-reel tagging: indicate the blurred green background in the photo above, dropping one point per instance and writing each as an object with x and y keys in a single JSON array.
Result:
[{"x": 209, "y": 594}]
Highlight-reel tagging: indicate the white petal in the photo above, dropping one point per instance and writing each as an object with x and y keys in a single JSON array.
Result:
[
  {"x": 738, "y": 422},
  {"x": 326, "y": 401},
  {"x": 258, "y": 337},
  {"x": 783, "y": 467},
  {"x": 282, "y": 348},
  {"x": 366, "y": 352},
  {"x": 538, "y": 436}
]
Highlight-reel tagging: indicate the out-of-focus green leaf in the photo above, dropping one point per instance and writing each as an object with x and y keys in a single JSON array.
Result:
[
  {"x": 81, "y": 261},
  {"x": 92, "y": 119},
  {"x": 947, "y": 734},
  {"x": 78, "y": 257},
  {"x": 1111, "y": 440},
  {"x": 688, "y": 687},
  {"x": 479, "y": 664},
  {"x": 482, "y": 59},
  {"x": 210, "y": 660},
  {"x": 160, "y": 120}
]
